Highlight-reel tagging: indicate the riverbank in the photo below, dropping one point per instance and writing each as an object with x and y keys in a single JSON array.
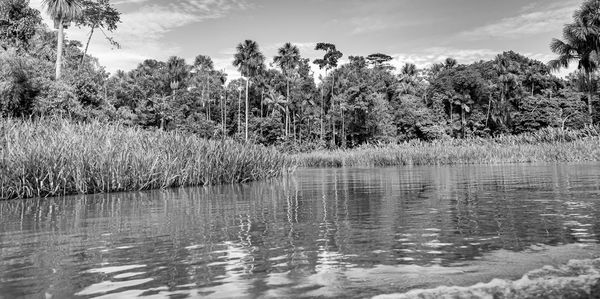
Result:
[
  {"x": 57, "y": 157},
  {"x": 549, "y": 145},
  {"x": 51, "y": 157}
]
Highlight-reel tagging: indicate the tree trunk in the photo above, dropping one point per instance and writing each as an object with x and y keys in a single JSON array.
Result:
[
  {"x": 323, "y": 107},
  {"x": 590, "y": 93},
  {"x": 208, "y": 102},
  {"x": 343, "y": 128},
  {"x": 287, "y": 109},
  {"x": 309, "y": 131},
  {"x": 332, "y": 132},
  {"x": 87, "y": 45},
  {"x": 332, "y": 109},
  {"x": 489, "y": 110},
  {"x": 225, "y": 115},
  {"x": 247, "y": 107},
  {"x": 532, "y": 86},
  {"x": 239, "y": 128},
  {"x": 294, "y": 122},
  {"x": 504, "y": 106},
  {"x": 221, "y": 108},
  {"x": 462, "y": 120},
  {"x": 59, "y": 49}
]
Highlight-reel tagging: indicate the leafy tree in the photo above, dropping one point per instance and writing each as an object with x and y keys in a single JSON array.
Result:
[
  {"x": 379, "y": 59},
  {"x": 18, "y": 24},
  {"x": 98, "y": 14},
  {"x": 17, "y": 89}
]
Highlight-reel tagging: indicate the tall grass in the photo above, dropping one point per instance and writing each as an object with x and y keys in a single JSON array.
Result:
[
  {"x": 56, "y": 157},
  {"x": 549, "y": 145}
]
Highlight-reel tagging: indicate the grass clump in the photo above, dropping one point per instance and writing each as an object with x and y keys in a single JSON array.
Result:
[
  {"x": 57, "y": 157},
  {"x": 549, "y": 145}
]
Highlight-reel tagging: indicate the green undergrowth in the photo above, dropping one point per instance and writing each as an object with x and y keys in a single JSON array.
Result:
[
  {"x": 57, "y": 157},
  {"x": 549, "y": 145}
]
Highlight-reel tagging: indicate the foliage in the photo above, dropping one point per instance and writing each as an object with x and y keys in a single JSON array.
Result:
[
  {"x": 55, "y": 157},
  {"x": 363, "y": 101},
  {"x": 549, "y": 145},
  {"x": 18, "y": 24}
]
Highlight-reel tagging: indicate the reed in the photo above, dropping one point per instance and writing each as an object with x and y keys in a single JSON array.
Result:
[
  {"x": 51, "y": 157},
  {"x": 549, "y": 145}
]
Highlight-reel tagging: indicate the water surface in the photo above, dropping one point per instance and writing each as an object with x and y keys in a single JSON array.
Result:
[{"x": 316, "y": 233}]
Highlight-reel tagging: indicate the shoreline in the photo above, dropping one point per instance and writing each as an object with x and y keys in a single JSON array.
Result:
[
  {"x": 479, "y": 151},
  {"x": 50, "y": 157}
]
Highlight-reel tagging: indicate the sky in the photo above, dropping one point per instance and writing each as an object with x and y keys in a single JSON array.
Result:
[{"x": 420, "y": 32}]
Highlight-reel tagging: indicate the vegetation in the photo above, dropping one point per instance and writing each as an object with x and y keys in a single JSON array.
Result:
[
  {"x": 364, "y": 101},
  {"x": 417, "y": 116},
  {"x": 55, "y": 157},
  {"x": 548, "y": 145}
]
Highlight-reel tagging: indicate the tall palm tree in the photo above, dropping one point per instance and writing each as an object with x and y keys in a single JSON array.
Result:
[
  {"x": 177, "y": 71},
  {"x": 575, "y": 48},
  {"x": 328, "y": 62},
  {"x": 581, "y": 43},
  {"x": 62, "y": 12},
  {"x": 249, "y": 61},
  {"x": 408, "y": 76},
  {"x": 288, "y": 59},
  {"x": 587, "y": 23},
  {"x": 204, "y": 71},
  {"x": 507, "y": 78}
]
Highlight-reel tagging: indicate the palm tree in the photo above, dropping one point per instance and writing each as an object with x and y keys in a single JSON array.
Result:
[
  {"x": 249, "y": 61},
  {"x": 62, "y": 12},
  {"x": 204, "y": 67},
  {"x": 581, "y": 43},
  {"x": 408, "y": 76},
  {"x": 287, "y": 59},
  {"x": 177, "y": 71},
  {"x": 329, "y": 61},
  {"x": 572, "y": 49},
  {"x": 507, "y": 78}
]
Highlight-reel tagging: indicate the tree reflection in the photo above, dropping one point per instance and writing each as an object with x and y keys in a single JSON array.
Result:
[{"x": 283, "y": 236}]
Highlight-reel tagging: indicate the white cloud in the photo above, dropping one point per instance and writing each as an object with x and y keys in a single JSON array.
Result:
[
  {"x": 141, "y": 33},
  {"x": 369, "y": 24},
  {"x": 429, "y": 56},
  {"x": 532, "y": 19},
  {"x": 433, "y": 55}
]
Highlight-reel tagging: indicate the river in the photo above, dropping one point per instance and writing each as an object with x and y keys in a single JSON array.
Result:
[{"x": 350, "y": 232}]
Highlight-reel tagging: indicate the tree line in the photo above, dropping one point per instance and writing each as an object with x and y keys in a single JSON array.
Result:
[{"x": 365, "y": 100}]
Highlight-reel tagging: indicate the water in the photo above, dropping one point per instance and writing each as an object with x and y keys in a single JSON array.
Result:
[{"x": 318, "y": 232}]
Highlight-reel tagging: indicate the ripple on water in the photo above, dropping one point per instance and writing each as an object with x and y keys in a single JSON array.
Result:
[{"x": 318, "y": 232}]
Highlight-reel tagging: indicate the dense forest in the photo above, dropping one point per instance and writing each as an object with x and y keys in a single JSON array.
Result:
[{"x": 363, "y": 101}]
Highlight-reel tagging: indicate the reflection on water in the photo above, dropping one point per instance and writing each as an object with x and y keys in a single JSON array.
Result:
[{"x": 318, "y": 232}]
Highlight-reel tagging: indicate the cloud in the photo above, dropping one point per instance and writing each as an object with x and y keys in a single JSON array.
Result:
[
  {"x": 429, "y": 56},
  {"x": 532, "y": 19},
  {"x": 433, "y": 55},
  {"x": 369, "y": 24},
  {"x": 144, "y": 27}
]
